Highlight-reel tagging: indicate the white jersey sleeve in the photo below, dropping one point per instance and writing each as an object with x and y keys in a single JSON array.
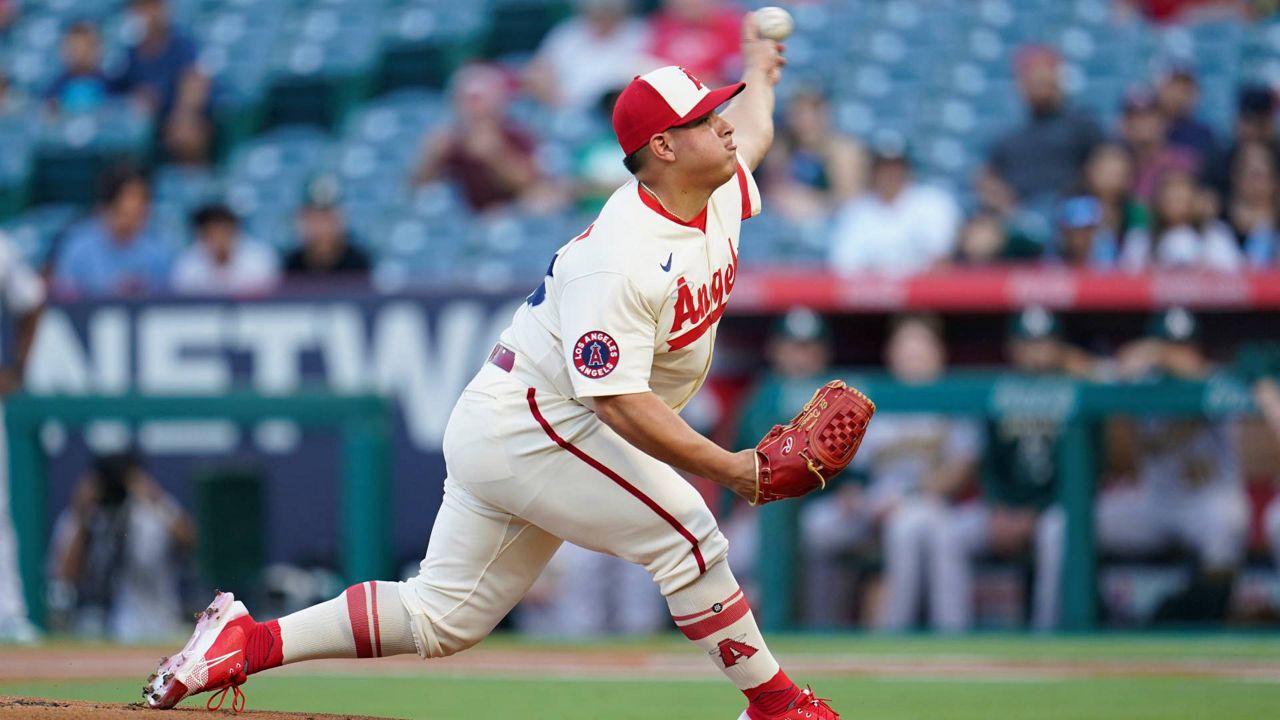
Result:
[
  {"x": 23, "y": 289},
  {"x": 744, "y": 186},
  {"x": 608, "y": 332}
]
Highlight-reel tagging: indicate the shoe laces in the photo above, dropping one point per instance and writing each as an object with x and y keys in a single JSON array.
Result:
[
  {"x": 238, "y": 699},
  {"x": 815, "y": 707}
]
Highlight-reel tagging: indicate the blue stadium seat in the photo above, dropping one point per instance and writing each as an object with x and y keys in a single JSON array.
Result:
[
  {"x": 235, "y": 43},
  {"x": 185, "y": 187},
  {"x": 18, "y": 135},
  {"x": 266, "y": 177},
  {"x": 34, "y": 231},
  {"x": 517, "y": 26},
  {"x": 424, "y": 41}
]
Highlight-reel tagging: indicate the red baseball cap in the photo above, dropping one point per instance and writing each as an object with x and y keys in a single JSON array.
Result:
[{"x": 659, "y": 100}]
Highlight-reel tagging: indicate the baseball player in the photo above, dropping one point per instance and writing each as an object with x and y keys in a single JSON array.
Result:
[
  {"x": 23, "y": 294},
  {"x": 1267, "y": 397},
  {"x": 1189, "y": 487},
  {"x": 570, "y": 431},
  {"x": 914, "y": 463},
  {"x": 1019, "y": 486}
]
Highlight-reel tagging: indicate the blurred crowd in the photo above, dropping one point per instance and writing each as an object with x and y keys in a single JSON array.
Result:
[{"x": 1161, "y": 188}]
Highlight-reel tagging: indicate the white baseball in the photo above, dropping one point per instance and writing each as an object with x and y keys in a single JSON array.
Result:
[{"x": 774, "y": 23}]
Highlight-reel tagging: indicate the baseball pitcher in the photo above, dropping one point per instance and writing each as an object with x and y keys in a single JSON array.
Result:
[{"x": 570, "y": 430}]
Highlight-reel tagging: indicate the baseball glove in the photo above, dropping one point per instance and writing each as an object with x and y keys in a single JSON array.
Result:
[{"x": 801, "y": 456}]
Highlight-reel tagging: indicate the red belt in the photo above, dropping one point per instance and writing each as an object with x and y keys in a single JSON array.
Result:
[{"x": 503, "y": 356}]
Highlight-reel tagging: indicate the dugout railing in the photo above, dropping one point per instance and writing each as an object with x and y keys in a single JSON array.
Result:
[
  {"x": 363, "y": 423},
  {"x": 1080, "y": 407}
]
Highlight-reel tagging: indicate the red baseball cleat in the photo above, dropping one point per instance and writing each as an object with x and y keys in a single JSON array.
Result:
[
  {"x": 212, "y": 659},
  {"x": 806, "y": 707}
]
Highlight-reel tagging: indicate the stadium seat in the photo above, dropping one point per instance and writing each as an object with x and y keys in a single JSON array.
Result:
[
  {"x": 35, "y": 231},
  {"x": 517, "y": 26},
  {"x": 74, "y": 148},
  {"x": 185, "y": 187},
  {"x": 266, "y": 177},
  {"x": 424, "y": 42}
]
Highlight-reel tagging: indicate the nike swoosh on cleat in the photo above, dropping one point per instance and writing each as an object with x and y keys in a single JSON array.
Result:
[
  {"x": 667, "y": 267},
  {"x": 219, "y": 660}
]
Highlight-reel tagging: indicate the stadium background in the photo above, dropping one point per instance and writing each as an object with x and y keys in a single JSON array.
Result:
[{"x": 328, "y": 106}]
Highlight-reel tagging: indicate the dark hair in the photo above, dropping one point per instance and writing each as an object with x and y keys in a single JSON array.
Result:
[
  {"x": 112, "y": 472},
  {"x": 116, "y": 179},
  {"x": 632, "y": 162},
  {"x": 207, "y": 215}
]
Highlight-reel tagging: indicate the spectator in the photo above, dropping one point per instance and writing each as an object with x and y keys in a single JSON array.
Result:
[
  {"x": 115, "y": 253},
  {"x": 1183, "y": 233},
  {"x": 1177, "y": 95},
  {"x": 9, "y": 11},
  {"x": 325, "y": 245},
  {"x": 1145, "y": 134},
  {"x": 81, "y": 86},
  {"x": 812, "y": 169},
  {"x": 700, "y": 35},
  {"x": 1019, "y": 486},
  {"x": 983, "y": 239},
  {"x": 1252, "y": 209},
  {"x": 115, "y": 556},
  {"x": 897, "y": 226},
  {"x": 15, "y": 100},
  {"x": 1255, "y": 124},
  {"x": 1037, "y": 162},
  {"x": 1175, "y": 11},
  {"x": 1187, "y": 488},
  {"x": 222, "y": 261},
  {"x": 9, "y": 102},
  {"x": 161, "y": 74},
  {"x": 1082, "y": 242},
  {"x": 597, "y": 50},
  {"x": 485, "y": 153},
  {"x": 1108, "y": 178}
]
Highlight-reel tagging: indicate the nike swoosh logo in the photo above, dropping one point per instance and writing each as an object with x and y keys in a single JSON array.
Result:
[
  {"x": 219, "y": 660},
  {"x": 667, "y": 266}
]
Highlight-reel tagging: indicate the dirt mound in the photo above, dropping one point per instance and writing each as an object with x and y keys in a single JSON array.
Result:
[{"x": 42, "y": 709}]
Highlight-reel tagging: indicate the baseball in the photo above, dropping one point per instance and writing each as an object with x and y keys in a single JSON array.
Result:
[{"x": 774, "y": 23}]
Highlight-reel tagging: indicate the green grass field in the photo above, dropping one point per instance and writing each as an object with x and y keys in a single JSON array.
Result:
[{"x": 873, "y": 678}]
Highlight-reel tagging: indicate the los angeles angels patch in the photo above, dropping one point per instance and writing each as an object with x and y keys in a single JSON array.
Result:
[{"x": 595, "y": 354}]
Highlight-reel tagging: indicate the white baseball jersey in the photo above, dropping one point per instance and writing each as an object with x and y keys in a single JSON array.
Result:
[
  {"x": 632, "y": 304},
  {"x": 900, "y": 449},
  {"x": 1189, "y": 456}
]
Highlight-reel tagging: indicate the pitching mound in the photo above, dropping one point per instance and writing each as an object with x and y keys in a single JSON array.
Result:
[{"x": 42, "y": 709}]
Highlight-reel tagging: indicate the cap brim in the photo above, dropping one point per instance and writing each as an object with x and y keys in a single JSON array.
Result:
[{"x": 713, "y": 100}]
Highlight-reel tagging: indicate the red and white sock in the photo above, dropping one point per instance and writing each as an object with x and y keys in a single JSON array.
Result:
[
  {"x": 368, "y": 620},
  {"x": 714, "y": 614}
]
